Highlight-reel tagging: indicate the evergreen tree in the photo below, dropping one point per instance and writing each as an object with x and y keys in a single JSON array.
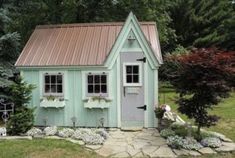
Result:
[
  {"x": 22, "y": 119},
  {"x": 9, "y": 50},
  {"x": 203, "y": 23}
]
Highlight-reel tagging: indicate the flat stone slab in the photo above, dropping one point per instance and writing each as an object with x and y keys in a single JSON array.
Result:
[
  {"x": 193, "y": 153},
  {"x": 16, "y": 137},
  {"x": 147, "y": 150},
  {"x": 132, "y": 151},
  {"x": 104, "y": 151},
  {"x": 207, "y": 150},
  {"x": 226, "y": 147},
  {"x": 121, "y": 155},
  {"x": 180, "y": 152},
  {"x": 139, "y": 155},
  {"x": 163, "y": 151}
]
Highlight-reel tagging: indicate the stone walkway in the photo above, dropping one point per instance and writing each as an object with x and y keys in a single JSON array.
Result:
[
  {"x": 145, "y": 143},
  {"x": 148, "y": 143}
]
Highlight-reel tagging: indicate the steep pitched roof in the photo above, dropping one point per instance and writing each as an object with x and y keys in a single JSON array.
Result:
[{"x": 86, "y": 44}]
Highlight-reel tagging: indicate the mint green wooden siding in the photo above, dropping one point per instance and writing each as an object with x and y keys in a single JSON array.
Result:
[{"x": 73, "y": 89}]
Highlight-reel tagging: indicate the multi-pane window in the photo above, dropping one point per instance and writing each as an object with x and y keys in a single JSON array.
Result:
[
  {"x": 132, "y": 74},
  {"x": 53, "y": 84},
  {"x": 96, "y": 84}
]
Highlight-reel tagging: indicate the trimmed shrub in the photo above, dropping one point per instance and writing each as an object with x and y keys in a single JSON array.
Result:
[
  {"x": 211, "y": 142},
  {"x": 167, "y": 132}
]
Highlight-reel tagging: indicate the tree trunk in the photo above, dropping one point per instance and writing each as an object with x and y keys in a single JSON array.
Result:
[{"x": 199, "y": 130}]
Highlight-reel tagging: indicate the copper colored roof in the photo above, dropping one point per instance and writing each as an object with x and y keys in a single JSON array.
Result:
[{"x": 77, "y": 44}]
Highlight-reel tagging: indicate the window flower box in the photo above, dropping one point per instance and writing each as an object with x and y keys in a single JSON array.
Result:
[
  {"x": 97, "y": 103},
  {"x": 52, "y": 103}
]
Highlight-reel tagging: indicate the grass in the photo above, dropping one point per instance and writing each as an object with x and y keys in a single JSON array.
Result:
[
  {"x": 225, "y": 110},
  {"x": 40, "y": 148}
]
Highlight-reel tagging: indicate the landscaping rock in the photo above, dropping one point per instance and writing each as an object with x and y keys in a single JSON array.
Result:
[
  {"x": 3, "y": 131},
  {"x": 207, "y": 150},
  {"x": 94, "y": 147},
  {"x": 16, "y": 137},
  {"x": 181, "y": 152},
  {"x": 211, "y": 142},
  {"x": 76, "y": 141},
  {"x": 220, "y": 136},
  {"x": 226, "y": 147},
  {"x": 193, "y": 153}
]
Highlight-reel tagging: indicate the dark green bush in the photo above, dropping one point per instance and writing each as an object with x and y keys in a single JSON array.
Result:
[{"x": 22, "y": 119}]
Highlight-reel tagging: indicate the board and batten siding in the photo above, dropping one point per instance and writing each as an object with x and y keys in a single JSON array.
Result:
[{"x": 73, "y": 94}]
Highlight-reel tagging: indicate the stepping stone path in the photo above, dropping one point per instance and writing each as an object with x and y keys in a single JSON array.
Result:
[{"x": 147, "y": 143}]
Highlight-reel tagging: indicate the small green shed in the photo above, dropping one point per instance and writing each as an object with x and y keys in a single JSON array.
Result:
[{"x": 93, "y": 74}]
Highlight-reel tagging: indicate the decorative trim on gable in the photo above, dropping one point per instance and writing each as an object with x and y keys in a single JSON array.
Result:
[{"x": 132, "y": 24}]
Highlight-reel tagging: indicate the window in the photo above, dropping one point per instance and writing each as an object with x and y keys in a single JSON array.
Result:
[
  {"x": 97, "y": 84},
  {"x": 53, "y": 84},
  {"x": 132, "y": 74}
]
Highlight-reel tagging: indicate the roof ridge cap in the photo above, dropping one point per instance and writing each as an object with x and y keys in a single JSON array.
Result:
[{"x": 90, "y": 24}]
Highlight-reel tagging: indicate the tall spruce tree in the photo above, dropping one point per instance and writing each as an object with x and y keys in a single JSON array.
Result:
[{"x": 9, "y": 50}]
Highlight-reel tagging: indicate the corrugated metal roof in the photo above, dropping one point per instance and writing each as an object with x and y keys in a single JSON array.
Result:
[{"x": 77, "y": 44}]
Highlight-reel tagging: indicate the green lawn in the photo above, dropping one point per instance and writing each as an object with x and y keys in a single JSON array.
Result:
[
  {"x": 43, "y": 148},
  {"x": 226, "y": 110}
]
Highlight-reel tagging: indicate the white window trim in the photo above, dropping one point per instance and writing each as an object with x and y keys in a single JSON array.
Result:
[
  {"x": 43, "y": 84},
  {"x": 124, "y": 74},
  {"x": 96, "y": 94}
]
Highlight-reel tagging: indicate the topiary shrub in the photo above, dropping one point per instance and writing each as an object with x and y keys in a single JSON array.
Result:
[
  {"x": 211, "y": 142},
  {"x": 167, "y": 132}
]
